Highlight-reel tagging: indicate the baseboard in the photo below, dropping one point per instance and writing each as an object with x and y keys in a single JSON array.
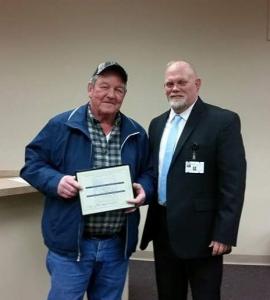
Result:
[
  {"x": 239, "y": 259},
  {"x": 234, "y": 259}
]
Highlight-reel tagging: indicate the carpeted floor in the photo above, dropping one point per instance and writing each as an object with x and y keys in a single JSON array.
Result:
[{"x": 240, "y": 282}]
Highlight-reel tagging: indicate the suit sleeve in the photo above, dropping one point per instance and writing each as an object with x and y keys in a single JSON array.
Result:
[{"x": 231, "y": 165}]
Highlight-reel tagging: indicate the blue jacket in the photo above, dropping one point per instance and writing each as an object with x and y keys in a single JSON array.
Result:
[{"x": 63, "y": 147}]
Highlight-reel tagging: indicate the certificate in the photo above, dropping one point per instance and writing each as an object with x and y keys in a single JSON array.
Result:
[{"x": 105, "y": 189}]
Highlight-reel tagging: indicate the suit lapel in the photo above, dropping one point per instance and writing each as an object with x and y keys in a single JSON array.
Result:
[{"x": 193, "y": 120}]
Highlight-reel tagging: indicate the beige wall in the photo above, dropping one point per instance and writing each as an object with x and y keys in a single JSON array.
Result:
[
  {"x": 50, "y": 48},
  {"x": 23, "y": 274}
]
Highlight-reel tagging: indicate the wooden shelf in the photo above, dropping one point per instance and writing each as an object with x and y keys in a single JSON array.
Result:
[{"x": 14, "y": 186}]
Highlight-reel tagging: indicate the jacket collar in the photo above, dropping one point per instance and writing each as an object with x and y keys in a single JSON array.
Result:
[
  {"x": 77, "y": 119},
  {"x": 128, "y": 127}
]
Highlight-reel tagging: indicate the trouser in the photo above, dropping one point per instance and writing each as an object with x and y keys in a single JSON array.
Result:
[
  {"x": 101, "y": 272},
  {"x": 173, "y": 274}
]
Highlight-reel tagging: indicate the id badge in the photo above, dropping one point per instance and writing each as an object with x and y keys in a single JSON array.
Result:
[{"x": 194, "y": 167}]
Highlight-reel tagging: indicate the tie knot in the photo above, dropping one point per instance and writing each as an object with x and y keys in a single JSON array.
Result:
[{"x": 176, "y": 119}]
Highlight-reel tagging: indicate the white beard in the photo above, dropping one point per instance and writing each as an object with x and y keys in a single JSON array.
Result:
[{"x": 177, "y": 104}]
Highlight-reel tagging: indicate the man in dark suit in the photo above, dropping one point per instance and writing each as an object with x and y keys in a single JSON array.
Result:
[{"x": 201, "y": 168}]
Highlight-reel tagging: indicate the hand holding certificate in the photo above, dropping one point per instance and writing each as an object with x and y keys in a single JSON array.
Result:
[
  {"x": 105, "y": 189},
  {"x": 139, "y": 197}
]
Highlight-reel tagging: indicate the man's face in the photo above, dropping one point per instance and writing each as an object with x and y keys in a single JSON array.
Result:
[
  {"x": 106, "y": 94},
  {"x": 181, "y": 87}
]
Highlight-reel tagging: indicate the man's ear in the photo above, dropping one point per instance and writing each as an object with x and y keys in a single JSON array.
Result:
[
  {"x": 90, "y": 88},
  {"x": 198, "y": 83}
]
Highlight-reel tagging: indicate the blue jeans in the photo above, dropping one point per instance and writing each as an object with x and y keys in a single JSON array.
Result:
[{"x": 101, "y": 272}]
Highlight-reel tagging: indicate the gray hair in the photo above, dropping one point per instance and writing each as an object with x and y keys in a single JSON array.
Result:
[{"x": 93, "y": 79}]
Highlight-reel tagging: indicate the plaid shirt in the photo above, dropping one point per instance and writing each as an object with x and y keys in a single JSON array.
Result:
[{"x": 106, "y": 153}]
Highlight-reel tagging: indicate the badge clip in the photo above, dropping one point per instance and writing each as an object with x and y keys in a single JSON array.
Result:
[{"x": 194, "y": 148}]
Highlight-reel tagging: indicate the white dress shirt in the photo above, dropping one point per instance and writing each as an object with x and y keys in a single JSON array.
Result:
[{"x": 184, "y": 115}]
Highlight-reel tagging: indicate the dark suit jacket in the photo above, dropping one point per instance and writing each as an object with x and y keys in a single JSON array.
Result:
[{"x": 201, "y": 207}]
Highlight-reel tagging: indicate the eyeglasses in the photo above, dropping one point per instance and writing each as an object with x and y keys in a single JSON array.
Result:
[{"x": 178, "y": 84}]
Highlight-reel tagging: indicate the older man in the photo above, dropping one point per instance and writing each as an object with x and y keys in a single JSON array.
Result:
[
  {"x": 89, "y": 253},
  {"x": 199, "y": 160}
]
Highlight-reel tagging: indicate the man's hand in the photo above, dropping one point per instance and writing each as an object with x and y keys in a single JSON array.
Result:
[
  {"x": 219, "y": 248},
  {"x": 68, "y": 187},
  {"x": 139, "y": 197}
]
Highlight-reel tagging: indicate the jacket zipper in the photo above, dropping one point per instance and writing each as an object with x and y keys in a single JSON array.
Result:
[
  {"x": 79, "y": 239},
  {"x": 79, "y": 231},
  {"x": 126, "y": 241}
]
